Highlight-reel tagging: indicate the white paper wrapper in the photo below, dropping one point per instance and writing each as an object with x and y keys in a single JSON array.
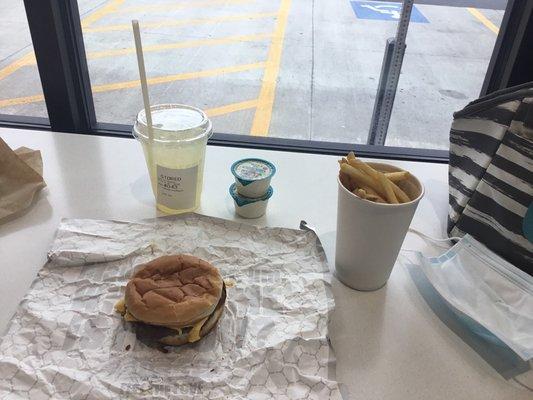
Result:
[{"x": 66, "y": 342}]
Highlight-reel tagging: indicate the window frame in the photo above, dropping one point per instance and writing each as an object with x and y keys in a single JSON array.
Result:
[
  {"x": 512, "y": 56},
  {"x": 57, "y": 37}
]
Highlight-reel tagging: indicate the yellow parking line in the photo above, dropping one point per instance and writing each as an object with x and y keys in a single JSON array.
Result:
[
  {"x": 263, "y": 113},
  {"x": 181, "y": 22},
  {"x": 169, "y": 46},
  {"x": 109, "y": 8},
  {"x": 29, "y": 58},
  {"x": 151, "y": 81},
  {"x": 229, "y": 108},
  {"x": 15, "y": 65},
  {"x": 484, "y": 20},
  {"x": 179, "y": 6},
  {"x": 181, "y": 45},
  {"x": 21, "y": 100},
  {"x": 178, "y": 77}
]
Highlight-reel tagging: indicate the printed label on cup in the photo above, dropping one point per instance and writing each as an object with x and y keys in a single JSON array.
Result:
[{"x": 176, "y": 188}]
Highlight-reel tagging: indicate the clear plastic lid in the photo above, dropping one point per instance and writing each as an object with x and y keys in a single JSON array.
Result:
[
  {"x": 173, "y": 123},
  {"x": 252, "y": 169}
]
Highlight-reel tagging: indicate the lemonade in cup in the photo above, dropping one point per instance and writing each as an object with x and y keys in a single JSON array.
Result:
[{"x": 175, "y": 157}]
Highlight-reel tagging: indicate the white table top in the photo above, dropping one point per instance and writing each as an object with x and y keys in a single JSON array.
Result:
[{"x": 389, "y": 343}]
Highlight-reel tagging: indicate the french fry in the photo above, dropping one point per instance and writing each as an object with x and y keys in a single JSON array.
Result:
[
  {"x": 387, "y": 186},
  {"x": 372, "y": 195},
  {"x": 355, "y": 162},
  {"x": 343, "y": 160},
  {"x": 400, "y": 194},
  {"x": 360, "y": 178},
  {"x": 375, "y": 198},
  {"x": 369, "y": 190},
  {"x": 370, "y": 184},
  {"x": 394, "y": 176},
  {"x": 388, "y": 191},
  {"x": 361, "y": 193},
  {"x": 366, "y": 169}
]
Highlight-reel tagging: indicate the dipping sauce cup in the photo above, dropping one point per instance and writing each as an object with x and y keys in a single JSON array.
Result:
[{"x": 252, "y": 176}]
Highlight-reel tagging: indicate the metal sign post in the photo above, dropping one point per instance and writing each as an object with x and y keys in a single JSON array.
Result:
[{"x": 389, "y": 77}]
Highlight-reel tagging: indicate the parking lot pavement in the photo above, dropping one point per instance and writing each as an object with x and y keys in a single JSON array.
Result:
[{"x": 298, "y": 69}]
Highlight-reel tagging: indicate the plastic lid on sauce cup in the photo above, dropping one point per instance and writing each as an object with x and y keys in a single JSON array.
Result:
[{"x": 252, "y": 169}]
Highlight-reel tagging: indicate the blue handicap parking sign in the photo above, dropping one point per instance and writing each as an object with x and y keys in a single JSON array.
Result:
[{"x": 384, "y": 10}]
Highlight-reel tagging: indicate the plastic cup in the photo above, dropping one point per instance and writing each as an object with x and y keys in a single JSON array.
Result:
[
  {"x": 370, "y": 235},
  {"x": 180, "y": 135}
]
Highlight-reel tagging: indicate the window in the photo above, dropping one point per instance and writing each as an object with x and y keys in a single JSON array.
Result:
[
  {"x": 284, "y": 74},
  {"x": 212, "y": 54},
  {"x": 292, "y": 69},
  {"x": 444, "y": 67},
  {"x": 20, "y": 87}
]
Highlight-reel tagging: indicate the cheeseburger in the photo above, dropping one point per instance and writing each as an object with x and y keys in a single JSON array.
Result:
[{"x": 173, "y": 300}]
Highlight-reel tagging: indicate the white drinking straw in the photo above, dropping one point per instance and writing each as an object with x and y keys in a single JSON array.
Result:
[{"x": 144, "y": 89}]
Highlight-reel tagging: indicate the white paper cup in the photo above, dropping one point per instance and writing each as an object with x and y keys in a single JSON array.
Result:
[{"x": 370, "y": 235}]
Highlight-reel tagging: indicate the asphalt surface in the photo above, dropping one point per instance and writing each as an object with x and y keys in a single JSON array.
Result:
[{"x": 298, "y": 69}]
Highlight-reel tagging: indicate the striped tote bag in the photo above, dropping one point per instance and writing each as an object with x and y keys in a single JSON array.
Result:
[{"x": 491, "y": 173}]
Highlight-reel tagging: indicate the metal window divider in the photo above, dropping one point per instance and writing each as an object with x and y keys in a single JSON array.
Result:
[{"x": 56, "y": 33}]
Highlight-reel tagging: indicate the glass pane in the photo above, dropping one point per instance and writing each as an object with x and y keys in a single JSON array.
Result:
[
  {"x": 291, "y": 68},
  {"x": 443, "y": 70},
  {"x": 20, "y": 86},
  {"x": 209, "y": 53}
]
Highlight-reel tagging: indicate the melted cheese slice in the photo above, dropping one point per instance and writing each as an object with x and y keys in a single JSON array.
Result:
[
  {"x": 194, "y": 334},
  {"x": 229, "y": 283},
  {"x": 129, "y": 317},
  {"x": 120, "y": 306}
]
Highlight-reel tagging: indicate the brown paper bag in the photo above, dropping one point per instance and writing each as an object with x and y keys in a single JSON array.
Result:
[
  {"x": 20, "y": 178},
  {"x": 32, "y": 158}
]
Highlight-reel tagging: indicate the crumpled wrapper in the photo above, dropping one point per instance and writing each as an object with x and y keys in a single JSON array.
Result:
[
  {"x": 66, "y": 342},
  {"x": 21, "y": 177}
]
